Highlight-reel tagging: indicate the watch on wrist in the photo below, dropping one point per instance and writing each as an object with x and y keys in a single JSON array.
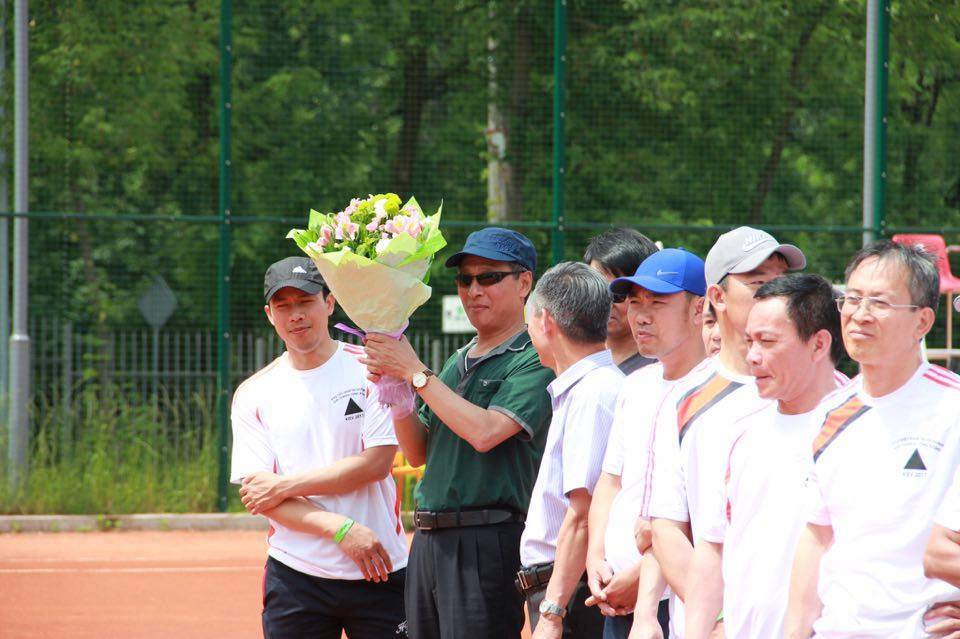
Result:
[
  {"x": 547, "y": 608},
  {"x": 419, "y": 380}
]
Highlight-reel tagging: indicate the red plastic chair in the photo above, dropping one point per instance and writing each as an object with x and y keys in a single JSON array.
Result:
[{"x": 949, "y": 283}]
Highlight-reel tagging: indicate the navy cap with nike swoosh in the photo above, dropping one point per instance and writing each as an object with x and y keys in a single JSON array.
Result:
[{"x": 669, "y": 270}]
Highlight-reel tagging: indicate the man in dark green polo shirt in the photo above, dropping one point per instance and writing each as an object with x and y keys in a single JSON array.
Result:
[{"x": 481, "y": 431}]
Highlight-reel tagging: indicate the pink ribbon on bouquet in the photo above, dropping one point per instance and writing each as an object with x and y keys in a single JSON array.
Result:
[{"x": 394, "y": 392}]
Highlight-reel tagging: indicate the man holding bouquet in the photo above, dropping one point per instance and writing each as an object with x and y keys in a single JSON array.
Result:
[
  {"x": 481, "y": 431},
  {"x": 313, "y": 449}
]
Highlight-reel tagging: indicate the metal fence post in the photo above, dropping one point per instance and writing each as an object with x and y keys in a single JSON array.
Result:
[
  {"x": 559, "y": 127},
  {"x": 223, "y": 260},
  {"x": 875, "y": 120},
  {"x": 20, "y": 337}
]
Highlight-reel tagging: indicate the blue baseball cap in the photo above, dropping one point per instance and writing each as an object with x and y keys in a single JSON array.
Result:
[
  {"x": 667, "y": 271},
  {"x": 502, "y": 245}
]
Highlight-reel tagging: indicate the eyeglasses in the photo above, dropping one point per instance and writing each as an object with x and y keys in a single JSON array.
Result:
[
  {"x": 483, "y": 279},
  {"x": 877, "y": 307}
]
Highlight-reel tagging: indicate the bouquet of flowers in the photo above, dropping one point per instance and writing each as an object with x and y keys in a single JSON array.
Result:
[{"x": 375, "y": 257}]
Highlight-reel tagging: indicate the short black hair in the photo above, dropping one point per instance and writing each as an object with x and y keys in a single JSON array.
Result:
[
  {"x": 620, "y": 250},
  {"x": 811, "y": 307},
  {"x": 923, "y": 277}
]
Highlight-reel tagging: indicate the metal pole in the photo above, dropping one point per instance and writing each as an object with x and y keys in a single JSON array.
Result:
[
  {"x": 875, "y": 119},
  {"x": 559, "y": 123},
  {"x": 20, "y": 338},
  {"x": 223, "y": 259},
  {"x": 4, "y": 226}
]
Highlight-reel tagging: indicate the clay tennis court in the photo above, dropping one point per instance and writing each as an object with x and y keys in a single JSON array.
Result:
[{"x": 131, "y": 584}]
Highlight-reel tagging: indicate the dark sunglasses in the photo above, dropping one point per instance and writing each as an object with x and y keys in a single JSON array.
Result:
[{"x": 483, "y": 279}]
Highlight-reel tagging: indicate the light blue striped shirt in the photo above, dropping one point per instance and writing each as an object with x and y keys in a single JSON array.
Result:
[{"x": 584, "y": 399}]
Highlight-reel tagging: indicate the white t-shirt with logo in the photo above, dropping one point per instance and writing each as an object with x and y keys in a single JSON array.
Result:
[
  {"x": 882, "y": 466},
  {"x": 757, "y": 519},
  {"x": 289, "y": 421}
]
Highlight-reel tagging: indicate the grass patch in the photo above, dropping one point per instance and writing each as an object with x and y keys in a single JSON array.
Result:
[{"x": 107, "y": 455}]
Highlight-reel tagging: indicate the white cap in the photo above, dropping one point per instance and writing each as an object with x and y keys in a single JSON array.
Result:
[{"x": 744, "y": 249}]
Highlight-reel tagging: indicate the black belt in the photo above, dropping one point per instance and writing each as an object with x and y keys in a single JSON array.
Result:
[
  {"x": 532, "y": 579},
  {"x": 428, "y": 520}
]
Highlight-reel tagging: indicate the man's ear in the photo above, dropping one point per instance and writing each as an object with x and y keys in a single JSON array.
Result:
[
  {"x": 926, "y": 317},
  {"x": 698, "y": 311},
  {"x": 821, "y": 342},
  {"x": 526, "y": 283},
  {"x": 331, "y": 302},
  {"x": 717, "y": 297},
  {"x": 266, "y": 309}
]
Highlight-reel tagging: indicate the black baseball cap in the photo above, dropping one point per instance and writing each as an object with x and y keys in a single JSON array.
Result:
[
  {"x": 297, "y": 272},
  {"x": 502, "y": 245}
]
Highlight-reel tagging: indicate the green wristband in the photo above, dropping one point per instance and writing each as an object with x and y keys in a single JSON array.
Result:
[{"x": 344, "y": 529}]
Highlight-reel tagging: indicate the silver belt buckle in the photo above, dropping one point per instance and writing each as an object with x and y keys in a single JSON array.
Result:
[{"x": 418, "y": 521}]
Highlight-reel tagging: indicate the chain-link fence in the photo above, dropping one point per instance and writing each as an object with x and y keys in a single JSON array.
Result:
[{"x": 682, "y": 119}]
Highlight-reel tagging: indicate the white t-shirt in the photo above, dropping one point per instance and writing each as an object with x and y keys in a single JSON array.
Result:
[
  {"x": 948, "y": 514},
  {"x": 289, "y": 421},
  {"x": 631, "y": 441},
  {"x": 694, "y": 432},
  {"x": 882, "y": 466},
  {"x": 584, "y": 397},
  {"x": 756, "y": 517}
]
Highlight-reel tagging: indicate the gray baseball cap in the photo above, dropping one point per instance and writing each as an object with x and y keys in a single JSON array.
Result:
[{"x": 744, "y": 249}]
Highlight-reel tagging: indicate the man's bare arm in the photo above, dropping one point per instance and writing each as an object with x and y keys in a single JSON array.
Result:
[
  {"x": 803, "y": 607},
  {"x": 263, "y": 491},
  {"x": 673, "y": 550},
  {"x": 359, "y": 543},
  {"x": 704, "y": 590},
  {"x": 942, "y": 558},
  {"x": 598, "y": 571}
]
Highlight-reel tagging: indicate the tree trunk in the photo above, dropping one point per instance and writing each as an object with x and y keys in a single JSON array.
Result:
[
  {"x": 782, "y": 135},
  {"x": 519, "y": 100},
  {"x": 412, "y": 101}
]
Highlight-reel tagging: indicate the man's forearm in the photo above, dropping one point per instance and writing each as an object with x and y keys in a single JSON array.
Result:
[
  {"x": 302, "y": 516},
  {"x": 343, "y": 476},
  {"x": 571, "y": 557},
  {"x": 603, "y": 494},
  {"x": 804, "y": 606},
  {"x": 481, "y": 428},
  {"x": 704, "y": 590},
  {"x": 412, "y": 436},
  {"x": 651, "y": 586},
  {"x": 673, "y": 550},
  {"x": 942, "y": 557}
]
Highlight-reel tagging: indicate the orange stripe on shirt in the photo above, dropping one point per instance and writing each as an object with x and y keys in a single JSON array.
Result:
[
  {"x": 698, "y": 399},
  {"x": 836, "y": 421}
]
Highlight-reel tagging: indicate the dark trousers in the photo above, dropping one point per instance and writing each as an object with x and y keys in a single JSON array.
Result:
[
  {"x": 580, "y": 622},
  {"x": 297, "y": 605},
  {"x": 460, "y": 583},
  {"x": 619, "y": 627}
]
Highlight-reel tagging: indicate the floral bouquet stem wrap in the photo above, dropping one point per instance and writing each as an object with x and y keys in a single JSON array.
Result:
[{"x": 375, "y": 257}]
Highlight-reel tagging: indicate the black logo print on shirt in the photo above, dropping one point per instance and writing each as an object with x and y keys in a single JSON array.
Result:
[{"x": 352, "y": 408}]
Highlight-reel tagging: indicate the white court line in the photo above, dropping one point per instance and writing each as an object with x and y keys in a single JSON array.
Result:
[
  {"x": 81, "y": 560},
  {"x": 185, "y": 569}
]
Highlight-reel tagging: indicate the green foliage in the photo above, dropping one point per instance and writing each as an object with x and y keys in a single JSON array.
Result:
[{"x": 109, "y": 455}]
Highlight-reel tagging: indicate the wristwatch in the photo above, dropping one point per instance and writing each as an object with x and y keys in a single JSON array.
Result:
[
  {"x": 547, "y": 608},
  {"x": 419, "y": 380}
]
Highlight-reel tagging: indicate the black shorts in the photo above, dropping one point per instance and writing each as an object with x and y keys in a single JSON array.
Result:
[{"x": 297, "y": 605}]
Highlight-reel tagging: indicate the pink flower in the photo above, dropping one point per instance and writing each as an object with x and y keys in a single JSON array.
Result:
[{"x": 326, "y": 236}]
